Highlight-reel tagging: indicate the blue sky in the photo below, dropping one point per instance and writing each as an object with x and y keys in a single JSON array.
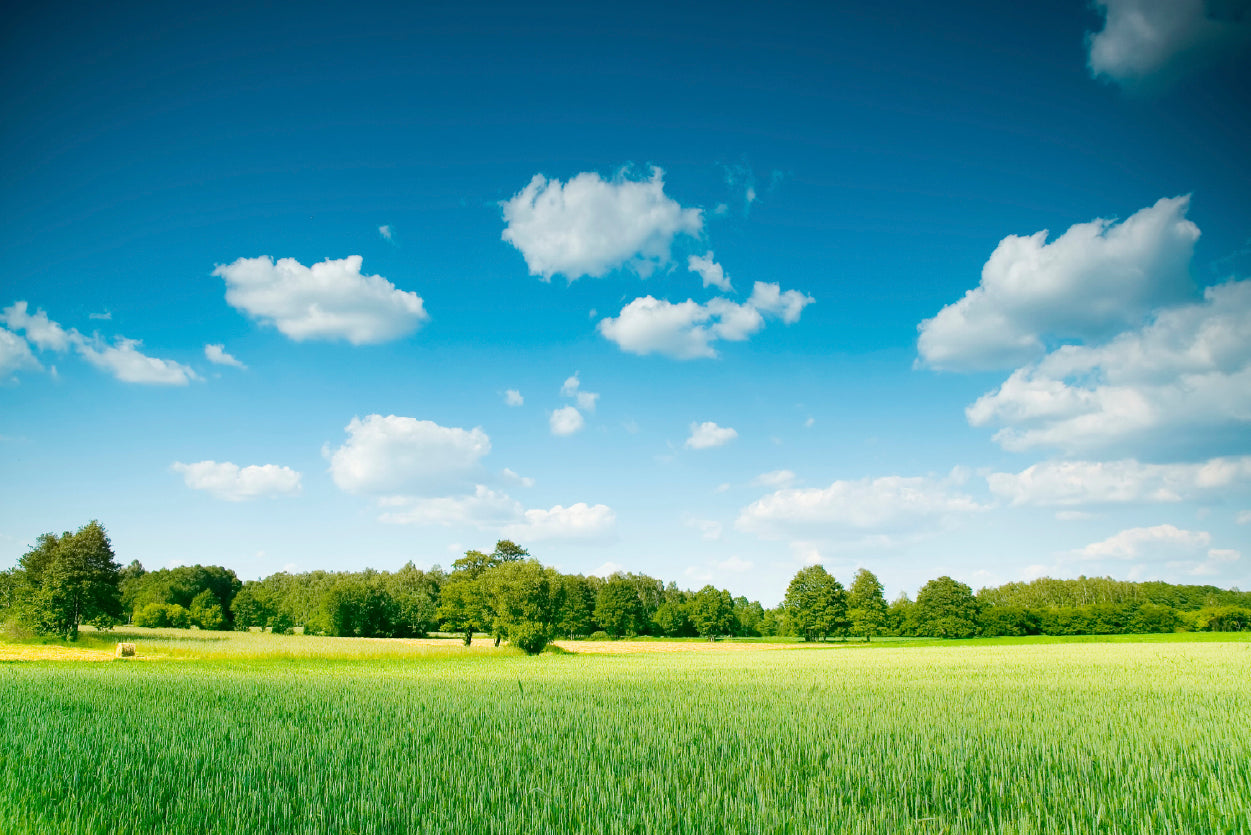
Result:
[{"x": 707, "y": 291}]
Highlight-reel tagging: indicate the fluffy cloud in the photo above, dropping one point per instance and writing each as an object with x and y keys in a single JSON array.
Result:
[
  {"x": 1186, "y": 374},
  {"x": 710, "y": 271},
  {"x": 686, "y": 330},
  {"x": 578, "y": 522},
  {"x": 126, "y": 362},
  {"x": 236, "y": 484},
  {"x": 708, "y": 434},
  {"x": 402, "y": 454},
  {"x": 330, "y": 300},
  {"x": 217, "y": 355},
  {"x": 513, "y": 398},
  {"x": 1182, "y": 551},
  {"x": 15, "y": 354},
  {"x": 1146, "y": 38},
  {"x": 879, "y": 504},
  {"x": 1093, "y": 281},
  {"x": 572, "y": 387},
  {"x": 482, "y": 508},
  {"x": 40, "y": 330},
  {"x": 565, "y": 421},
  {"x": 1066, "y": 483},
  {"x": 589, "y": 226}
]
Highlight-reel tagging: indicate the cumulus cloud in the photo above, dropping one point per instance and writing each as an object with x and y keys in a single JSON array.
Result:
[
  {"x": 217, "y": 355},
  {"x": 482, "y": 508},
  {"x": 509, "y": 475},
  {"x": 236, "y": 484},
  {"x": 589, "y": 226},
  {"x": 708, "y": 434},
  {"x": 607, "y": 570},
  {"x": 329, "y": 300},
  {"x": 687, "y": 330},
  {"x": 1064, "y": 483},
  {"x": 404, "y": 455},
  {"x": 1091, "y": 282},
  {"x": 1146, "y": 39},
  {"x": 578, "y": 522},
  {"x": 707, "y": 528},
  {"x": 1181, "y": 551},
  {"x": 513, "y": 398},
  {"x": 710, "y": 271},
  {"x": 565, "y": 421},
  {"x": 735, "y": 564},
  {"x": 385, "y": 231},
  {"x": 1185, "y": 374},
  {"x": 15, "y": 354},
  {"x": 884, "y": 504},
  {"x": 572, "y": 387},
  {"x": 775, "y": 478},
  {"x": 45, "y": 334},
  {"x": 126, "y": 362}
]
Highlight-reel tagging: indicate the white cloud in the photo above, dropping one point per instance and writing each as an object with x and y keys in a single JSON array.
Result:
[
  {"x": 770, "y": 299},
  {"x": 708, "y": 434},
  {"x": 707, "y": 528},
  {"x": 871, "y": 504},
  {"x": 590, "y": 226},
  {"x": 606, "y": 570},
  {"x": 698, "y": 574},
  {"x": 513, "y": 398},
  {"x": 524, "y": 481},
  {"x": 565, "y": 421},
  {"x": 578, "y": 522},
  {"x": 126, "y": 362},
  {"x": 236, "y": 484},
  {"x": 1187, "y": 552},
  {"x": 1244, "y": 518},
  {"x": 1073, "y": 515},
  {"x": 572, "y": 387},
  {"x": 1063, "y": 483},
  {"x": 402, "y": 454},
  {"x": 482, "y": 508},
  {"x": 735, "y": 564},
  {"x": 1092, "y": 281},
  {"x": 40, "y": 330},
  {"x": 710, "y": 271},
  {"x": 15, "y": 354},
  {"x": 217, "y": 355},
  {"x": 103, "y": 317},
  {"x": 385, "y": 231},
  {"x": 1142, "y": 39},
  {"x": 329, "y": 300},
  {"x": 1183, "y": 376},
  {"x": 775, "y": 478}
]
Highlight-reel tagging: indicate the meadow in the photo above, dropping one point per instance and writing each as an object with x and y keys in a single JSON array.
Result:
[{"x": 222, "y": 732}]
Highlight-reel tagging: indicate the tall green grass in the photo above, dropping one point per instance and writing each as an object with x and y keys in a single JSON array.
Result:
[{"x": 1131, "y": 737}]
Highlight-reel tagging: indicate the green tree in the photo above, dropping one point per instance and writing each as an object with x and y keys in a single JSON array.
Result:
[
  {"x": 946, "y": 609},
  {"x": 524, "y": 599},
  {"x": 816, "y": 604},
  {"x": 460, "y": 605},
  {"x": 618, "y": 609},
  {"x": 206, "y": 612},
  {"x": 712, "y": 612},
  {"x": 71, "y": 580},
  {"x": 577, "y": 602},
  {"x": 866, "y": 605}
]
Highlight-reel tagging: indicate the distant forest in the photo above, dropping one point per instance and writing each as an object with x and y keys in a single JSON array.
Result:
[{"x": 74, "y": 578}]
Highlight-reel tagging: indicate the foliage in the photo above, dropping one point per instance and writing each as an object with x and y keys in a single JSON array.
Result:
[
  {"x": 946, "y": 608},
  {"x": 712, "y": 612},
  {"x": 815, "y": 604},
  {"x": 866, "y": 604},
  {"x": 529, "y": 636},
  {"x": 618, "y": 608},
  {"x": 67, "y": 581}
]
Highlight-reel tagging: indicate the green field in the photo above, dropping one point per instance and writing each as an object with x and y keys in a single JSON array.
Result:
[{"x": 300, "y": 735}]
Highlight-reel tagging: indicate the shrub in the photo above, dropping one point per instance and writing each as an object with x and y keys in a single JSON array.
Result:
[
  {"x": 529, "y": 636},
  {"x": 153, "y": 615},
  {"x": 601, "y": 635}
]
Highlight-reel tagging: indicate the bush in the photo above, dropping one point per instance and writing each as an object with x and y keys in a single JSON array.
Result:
[
  {"x": 152, "y": 615},
  {"x": 528, "y": 636},
  {"x": 601, "y": 635},
  {"x": 281, "y": 624}
]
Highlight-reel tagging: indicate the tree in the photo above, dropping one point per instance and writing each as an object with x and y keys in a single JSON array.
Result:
[
  {"x": 523, "y": 598},
  {"x": 72, "y": 580},
  {"x": 946, "y": 609},
  {"x": 816, "y": 604},
  {"x": 206, "y": 612},
  {"x": 460, "y": 605},
  {"x": 577, "y": 601},
  {"x": 618, "y": 608},
  {"x": 712, "y": 612},
  {"x": 866, "y": 605}
]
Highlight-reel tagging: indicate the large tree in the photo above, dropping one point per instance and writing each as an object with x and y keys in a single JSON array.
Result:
[
  {"x": 524, "y": 600},
  {"x": 618, "y": 608},
  {"x": 712, "y": 612},
  {"x": 816, "y": 604},
  {"x": 866, "y": 605},
  {"x": 71, "y": 580},
  {"x": 946, "y": 608}
]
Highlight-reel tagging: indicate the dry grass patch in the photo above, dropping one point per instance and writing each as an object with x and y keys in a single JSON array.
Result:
[
  {"x": 632, "y": 647},
  {"x": 23, "y": 652}
]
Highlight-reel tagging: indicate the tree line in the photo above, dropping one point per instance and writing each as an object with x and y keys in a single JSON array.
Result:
[{"x": 67, "y": 580}]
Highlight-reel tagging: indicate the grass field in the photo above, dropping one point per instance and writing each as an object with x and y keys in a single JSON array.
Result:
[{"x": 210, "y": 732}]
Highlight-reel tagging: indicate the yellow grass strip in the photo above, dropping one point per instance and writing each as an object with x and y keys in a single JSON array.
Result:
[{"x": 20, "y": 652}]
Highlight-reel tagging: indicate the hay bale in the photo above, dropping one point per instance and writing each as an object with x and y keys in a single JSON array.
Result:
[{"x": 125, "y": 651}]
